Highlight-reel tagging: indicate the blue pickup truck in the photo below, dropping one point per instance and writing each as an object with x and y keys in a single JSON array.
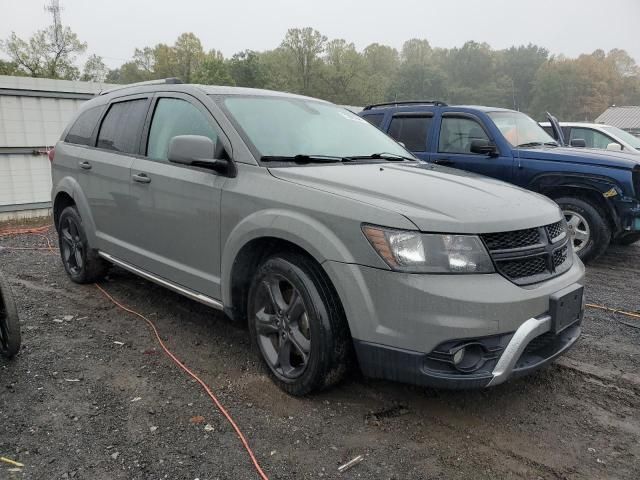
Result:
[{"x": 598, "y": 191}]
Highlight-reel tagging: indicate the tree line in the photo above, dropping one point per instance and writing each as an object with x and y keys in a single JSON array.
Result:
[{"x": 527, "y": 77}]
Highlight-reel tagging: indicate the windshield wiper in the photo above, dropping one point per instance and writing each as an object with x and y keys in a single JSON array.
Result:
[
  {"x": 552, "y": 144},
  {"x": 390, "y": 157},
  {"x": 530, "y": 144},
  {"x": 301, "y": 158}
]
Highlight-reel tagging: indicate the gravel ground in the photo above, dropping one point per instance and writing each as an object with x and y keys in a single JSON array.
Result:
[{"x": 91, "y": 396}]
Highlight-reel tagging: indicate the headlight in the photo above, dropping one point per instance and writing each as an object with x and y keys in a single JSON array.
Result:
[{"x": 417, "y": 252}]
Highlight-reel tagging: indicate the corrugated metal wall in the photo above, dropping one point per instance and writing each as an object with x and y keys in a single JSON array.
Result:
[
  {"x": 25, "y": 182},
  {"x": 34, "y": 121},
  {"x": 33, "y": 114}
]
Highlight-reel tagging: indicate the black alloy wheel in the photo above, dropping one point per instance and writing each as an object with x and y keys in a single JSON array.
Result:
[
  {"x": 297, "y": 324},
  {"x": 282, "y": 325}
]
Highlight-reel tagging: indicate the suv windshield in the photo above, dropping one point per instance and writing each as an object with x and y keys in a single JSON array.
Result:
[
  {"x": 293, "y": 127},
  {"x": 520, "y": 130},
  {"x": 624, "y": 136}
]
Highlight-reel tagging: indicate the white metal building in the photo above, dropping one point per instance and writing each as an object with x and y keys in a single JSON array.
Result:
[{"x": 33, "y": 114}]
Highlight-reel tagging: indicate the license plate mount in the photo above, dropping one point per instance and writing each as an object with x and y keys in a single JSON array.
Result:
[{"x": 565, "y": 307}]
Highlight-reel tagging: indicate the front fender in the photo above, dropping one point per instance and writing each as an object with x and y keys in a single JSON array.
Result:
[
  {"x": 608, "y": 189},
  {"x": 71, "y": 187},
  {"x": 302, "y": 230},
  {"x": 598, "y": 183}
]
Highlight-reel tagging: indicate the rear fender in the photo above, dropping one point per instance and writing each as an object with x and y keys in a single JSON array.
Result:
[{"x": 70, "y": 186}]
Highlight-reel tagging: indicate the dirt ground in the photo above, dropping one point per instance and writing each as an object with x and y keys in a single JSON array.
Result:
[{"x": 91, "y": 396}]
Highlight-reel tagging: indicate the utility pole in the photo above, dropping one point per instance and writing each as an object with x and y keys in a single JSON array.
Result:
[{"x": 54, "y": 8}]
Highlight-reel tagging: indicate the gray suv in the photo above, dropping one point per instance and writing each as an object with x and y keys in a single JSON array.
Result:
[{"x": 321, "y": 232}]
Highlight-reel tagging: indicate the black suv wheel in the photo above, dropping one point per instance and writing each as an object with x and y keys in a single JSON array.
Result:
[
  {"x": 9, "y": 322},
  {"x": 588, "y": 225},
  {"x": 297, "y": 324},
  {"x": 82, "y": 263}
]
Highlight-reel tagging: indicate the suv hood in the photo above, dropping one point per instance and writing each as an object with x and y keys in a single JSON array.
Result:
[
  {"x": 588, "y": 156},
  {"x": 434, "y": 198}
]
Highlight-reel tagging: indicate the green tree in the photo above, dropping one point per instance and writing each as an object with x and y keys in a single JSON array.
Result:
[
  {"x": 213, "y": 70},
  {"x": 48, "y": 53},
  {"x": 305, "y": 47},
  {"x": 342, "y": 73},
  {"x": 94, "y": 70},
  {"x": 519, "y": 65},
  {"x": 9, "y": 68},
  {"x": 419, "y": 76},
  {"x": 188, "y": 55},
  {"x": 380, "y": 64},
  {"x": 248, "y": 70}
]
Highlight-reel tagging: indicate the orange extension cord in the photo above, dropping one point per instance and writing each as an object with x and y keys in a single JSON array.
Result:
[
  {"x": 206, "y": 388},
  {"x": 40, "y": 231}
]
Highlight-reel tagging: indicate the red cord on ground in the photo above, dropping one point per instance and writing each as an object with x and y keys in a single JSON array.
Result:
[{"x": 206, "y": 388}]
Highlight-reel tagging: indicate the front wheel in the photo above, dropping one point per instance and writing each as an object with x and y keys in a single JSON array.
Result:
[
  {"x": 297, "y": 324},
  {"x": 587, "y": 224},
  {"x": 9, "y": 322}
]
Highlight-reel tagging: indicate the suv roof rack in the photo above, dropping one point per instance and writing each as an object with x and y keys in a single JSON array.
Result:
[
  {"x": 436, "y": 103},
  {"x": 161, "y": 81}
]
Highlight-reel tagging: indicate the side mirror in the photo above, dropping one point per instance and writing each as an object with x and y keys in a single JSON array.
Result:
[
  {"x": 483, "y": 147},
  {"x": 195, "y": 150},
  {"x": 616, "y": 147},
  {"x": 578, "y": 142}
]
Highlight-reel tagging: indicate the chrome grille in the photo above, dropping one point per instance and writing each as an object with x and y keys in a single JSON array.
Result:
[{"x": 531, "y": 255}]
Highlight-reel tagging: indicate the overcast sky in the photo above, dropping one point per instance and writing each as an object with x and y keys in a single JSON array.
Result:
[{"x": 114, "y": 28}]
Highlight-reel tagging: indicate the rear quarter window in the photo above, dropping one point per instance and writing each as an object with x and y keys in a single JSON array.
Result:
[
  {"x": 374, "y": 119},
  {"x": 412, "y": 131},
  {"x": 82, "y": 130},
  {"x": 121, "y": 128}
]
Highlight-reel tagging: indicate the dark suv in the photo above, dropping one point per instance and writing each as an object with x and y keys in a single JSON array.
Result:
[{"x": 598, "y": 191}]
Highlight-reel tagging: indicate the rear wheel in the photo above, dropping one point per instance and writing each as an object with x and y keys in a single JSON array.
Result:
[
  {"x": 9, "y": 322},
  {"x": 82, "y": 263},
  {"x": 627, "y": 239},
  {"x": 587, "y": 224},
  {"x": 297, "y": 324}
]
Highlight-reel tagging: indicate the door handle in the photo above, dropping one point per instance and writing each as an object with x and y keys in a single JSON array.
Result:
[
  {"x": 141, "y": 178},
  {"x": 86, "y": 165}
]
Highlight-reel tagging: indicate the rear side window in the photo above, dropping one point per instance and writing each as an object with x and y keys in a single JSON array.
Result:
[
  {"x": 592, "y": 138},
  {"x": 81, "y": 131},
  {"x": 374, "y": 119},
  {"x": 412, "y": 131},
  {"x": 121, "y": 127},
  {"x": 173, "y": 117}
]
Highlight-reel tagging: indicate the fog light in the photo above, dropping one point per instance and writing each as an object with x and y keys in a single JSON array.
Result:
[{"x": 458, "y": 356}]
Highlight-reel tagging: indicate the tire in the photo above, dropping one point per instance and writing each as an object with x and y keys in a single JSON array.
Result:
[
  {"x": 80, "y": 260},
  {"x": 311, "y": 320},
  {"x": 589, "y": 225},
  {"x": 627, "y": 239},
  {"x": 9, "y": 322}
]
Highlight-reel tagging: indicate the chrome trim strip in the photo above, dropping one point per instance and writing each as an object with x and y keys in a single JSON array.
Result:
[
  {"x": 525, "y": 333},
  {"x": 165, "y": 283}
]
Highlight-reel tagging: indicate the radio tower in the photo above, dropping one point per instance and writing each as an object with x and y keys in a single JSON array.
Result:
[{"x": 54, "y": 8}]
